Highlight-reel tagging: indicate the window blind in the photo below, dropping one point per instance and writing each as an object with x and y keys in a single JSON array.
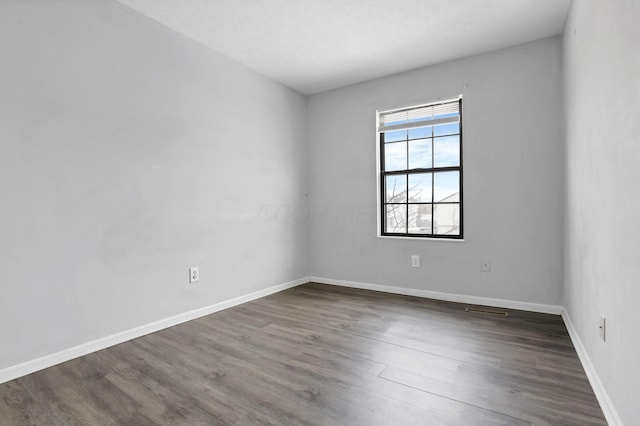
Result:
[{"x": 420, "y": 116}]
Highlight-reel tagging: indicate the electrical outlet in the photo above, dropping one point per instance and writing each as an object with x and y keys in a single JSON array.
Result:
[
  {"x": 415, "y": 261},
  {"x": 602, "y": 328},
  {"x": 194, "y": 274},
  {"x": 486, "y": 266}
]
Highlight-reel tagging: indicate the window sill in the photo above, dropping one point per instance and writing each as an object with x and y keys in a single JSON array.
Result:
[{"x": 446, "y": 240}]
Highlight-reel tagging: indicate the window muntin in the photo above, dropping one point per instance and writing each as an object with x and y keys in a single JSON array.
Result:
[{"x": 420, "y": 151}]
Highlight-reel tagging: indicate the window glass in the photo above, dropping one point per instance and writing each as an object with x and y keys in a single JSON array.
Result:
[{"x": 421, "y": 170}]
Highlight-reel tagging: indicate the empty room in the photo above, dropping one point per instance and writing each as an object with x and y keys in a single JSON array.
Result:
[{"x": 319, "y": 212}]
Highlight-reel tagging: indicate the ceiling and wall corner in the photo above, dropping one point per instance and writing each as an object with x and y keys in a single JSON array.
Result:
[{"x": 317, "y": 45}]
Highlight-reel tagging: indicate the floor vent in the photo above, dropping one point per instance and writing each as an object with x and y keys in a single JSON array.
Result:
[{"x": 487, "y": 312}]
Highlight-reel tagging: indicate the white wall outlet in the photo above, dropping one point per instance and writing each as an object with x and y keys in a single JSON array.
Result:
[
  {"x": 602, "y": 328},
  {"x": 415, "y": 260},
  {"x": 486, "y": 266},
  {"x": 194, "y": 274}
]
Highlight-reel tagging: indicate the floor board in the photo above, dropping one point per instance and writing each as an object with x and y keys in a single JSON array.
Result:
[{"x": 322, "y": 355}]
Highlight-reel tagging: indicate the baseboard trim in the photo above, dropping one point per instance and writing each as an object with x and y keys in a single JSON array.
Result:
[
  {"x": 608, "y": 409},
  {"x": 28, "y": 367},
  {"x": 449, "y": 297}
]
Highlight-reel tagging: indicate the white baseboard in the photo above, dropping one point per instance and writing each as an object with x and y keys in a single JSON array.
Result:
[
  {"x": 450, "y": 297},
  {"x": 13, "y": 372},
  {"x": 608, "y": 409},
  {"x": 610, "y": 413}
]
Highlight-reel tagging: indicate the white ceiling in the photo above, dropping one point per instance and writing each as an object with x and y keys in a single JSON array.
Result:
[{"x": 317, "y": 45}]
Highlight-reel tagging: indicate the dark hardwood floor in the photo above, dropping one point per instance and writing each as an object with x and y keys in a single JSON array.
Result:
[{"x": 322, "y": 355}]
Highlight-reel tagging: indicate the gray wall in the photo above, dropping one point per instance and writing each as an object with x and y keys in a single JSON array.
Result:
[
  {"x": 513, "y": 178},
  {"x": 602, "y": 97},
  {"x": 127, "y": 154}
]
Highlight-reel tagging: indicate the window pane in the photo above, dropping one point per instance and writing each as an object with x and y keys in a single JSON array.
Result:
[
  {"x": 420, "y": 217},
  {"x": 420, "y": 188},
  {"x": 420, "y": 132},
  {"x": 421, "y": 171},
  {"x": 420, "y": 154},
  {"x": 396, "y": 218},
  {"x": 396, "y": 188},
  {"x": 397, "y": 135},
  {"x": 395, "y": 156},
  {"x": 446, "y": 151},
  {"x": 446, "y": 129},
  {"x": 446, "y": 186},
  {"x": 446, "y": 219}
]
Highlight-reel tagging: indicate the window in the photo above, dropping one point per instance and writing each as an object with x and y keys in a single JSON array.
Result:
[{"x": 420, "y": 152}]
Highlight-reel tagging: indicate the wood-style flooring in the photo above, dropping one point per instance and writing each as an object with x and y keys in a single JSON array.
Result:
[{"x": 322, "y": 355}]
